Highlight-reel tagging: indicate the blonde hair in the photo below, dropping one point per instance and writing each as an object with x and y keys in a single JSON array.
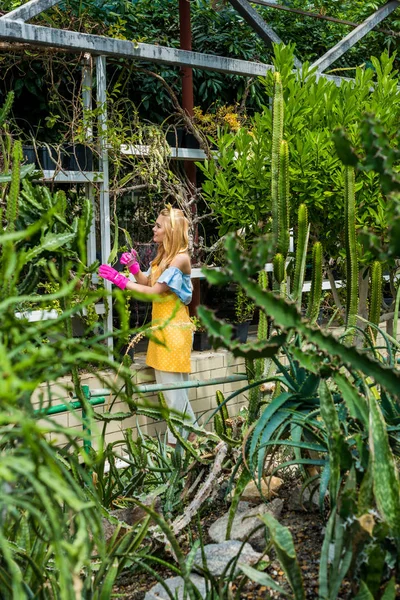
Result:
[{"x": 176, "y": 238}]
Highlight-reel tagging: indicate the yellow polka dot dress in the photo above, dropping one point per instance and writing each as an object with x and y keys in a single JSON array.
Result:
[{"x": 170, "y": 341}]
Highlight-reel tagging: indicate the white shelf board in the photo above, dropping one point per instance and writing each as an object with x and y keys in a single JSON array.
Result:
[
  {"x": 72, "y": 176},
  {"x": 175, "y": 153}
]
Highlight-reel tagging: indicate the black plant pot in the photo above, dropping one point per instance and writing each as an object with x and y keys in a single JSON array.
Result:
[
  {"x": 190, "y": 141},
  {"x": 241, "y": 331},
  {"x": 29, "y": 155},
  {"x": 77, "y": 157},
  {"x": 201, "y": 341},
  {"x": 50, "y": 158},
  {"x": 175, "y": 137}
]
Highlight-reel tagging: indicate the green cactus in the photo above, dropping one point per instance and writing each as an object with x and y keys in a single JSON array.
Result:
[
  {"x": 286, "y": 317},
  {"x": 223, "y": 409},
  {"x": 13, "y": 195},
  {"x": 376, "y": 294},
  {"x": 283, "y": 204},
  {"x": 351, "y": 251},
  {"x": 279, "y": 268},
  {"x": 6, "y": 108},
  {"x": 314, "y": 301},
  {"x": 262, "y": 330},
  {"x": 277, "y": 134},
  {"x": 303, "y": 232}
]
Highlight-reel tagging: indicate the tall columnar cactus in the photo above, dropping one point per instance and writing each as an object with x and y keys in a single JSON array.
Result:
[
  {"x": 303, "y": 232},
  {"x": 315, "y": 297},
  {"x": 5, "y": 109},
  {"x": 376, "y": 295},
  {"x": 277, "y": 134},
  {"x": 279, "y": 267},
  {"x": 13, "y": 195},
  {"x": 283, "y": 200},
  {"x": 351, "y": 251}
]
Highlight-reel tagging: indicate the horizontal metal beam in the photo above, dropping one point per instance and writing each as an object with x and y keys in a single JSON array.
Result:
[
  {"x": 29, "y": 10},
  {"x": 175, "y": 153},
  {"x": 96, "y": 44},
  {"x": 256, "y": 22},
  {"x": 72, "y": 176},
  {"x": 355, "y": 36}
]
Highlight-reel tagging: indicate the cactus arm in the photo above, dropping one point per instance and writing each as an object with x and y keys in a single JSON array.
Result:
[
  {"x": 279, "y": 268},
  {"x": 316, "y": 283},
  {"x": 283, "y": 205},
  {"x": 277, "y": 134},
  {"x": 303, "y": 233},
  {"x": 376, "y": 295},
  {"x": 6, "y": 108},
  {"x": 351, "y": 251}
]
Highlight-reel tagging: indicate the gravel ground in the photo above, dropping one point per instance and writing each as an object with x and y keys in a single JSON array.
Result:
[{"x": 307, "y": 530}]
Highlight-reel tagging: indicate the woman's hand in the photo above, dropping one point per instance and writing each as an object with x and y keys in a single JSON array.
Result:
[
  {"x": 107, "y": 272},
  {"x": 130, "y": 259}
]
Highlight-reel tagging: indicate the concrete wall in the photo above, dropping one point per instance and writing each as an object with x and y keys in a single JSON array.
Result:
[{"x": 205, "y": 366}]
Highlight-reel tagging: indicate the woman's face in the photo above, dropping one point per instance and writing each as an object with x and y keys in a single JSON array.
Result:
[{"x": 159, "y": 230}]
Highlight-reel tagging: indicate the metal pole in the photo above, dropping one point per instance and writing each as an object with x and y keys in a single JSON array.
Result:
[
  {"x": 87, "y": 86},
  {"x": 60, "y": 408},
  {"x": 104, "y": 185},
  {"x": 185, "y": 35},
  {"x": 160, "y": 387}
]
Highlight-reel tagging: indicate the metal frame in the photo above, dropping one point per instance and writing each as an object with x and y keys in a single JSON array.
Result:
[
  {"x": 14, "y": 28},
  {"x": 253, "y": 18},
  {"x": 355, "y": 36}
]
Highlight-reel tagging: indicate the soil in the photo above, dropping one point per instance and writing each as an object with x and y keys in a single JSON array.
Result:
[{"x": 307, "y": 529}]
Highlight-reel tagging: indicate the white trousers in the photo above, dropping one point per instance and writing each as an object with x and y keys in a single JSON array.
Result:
[{"x": 176, "y": 399}]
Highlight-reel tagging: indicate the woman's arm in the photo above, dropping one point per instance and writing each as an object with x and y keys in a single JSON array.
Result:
[
  {"x": 157, "y": 288},
  {"x": 141, "y": 278}
]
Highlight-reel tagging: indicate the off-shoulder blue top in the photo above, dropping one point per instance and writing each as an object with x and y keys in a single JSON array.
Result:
[{"x": 178, "y": 282}]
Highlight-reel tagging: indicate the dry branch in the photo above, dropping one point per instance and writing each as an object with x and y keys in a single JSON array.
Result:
[{"x": 204, "y": 492}]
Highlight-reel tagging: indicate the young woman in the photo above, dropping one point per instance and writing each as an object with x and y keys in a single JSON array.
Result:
[{"x": 169, "y": 277}]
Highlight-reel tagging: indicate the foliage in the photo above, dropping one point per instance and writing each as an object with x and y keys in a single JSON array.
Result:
[
  {"x": 237, "y": 183},
  {"x": 338, "y": 409},
  {"x": 244, "y": 307}
]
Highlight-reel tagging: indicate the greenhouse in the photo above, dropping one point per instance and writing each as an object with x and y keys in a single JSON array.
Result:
[{"x": 200, "y": 299}]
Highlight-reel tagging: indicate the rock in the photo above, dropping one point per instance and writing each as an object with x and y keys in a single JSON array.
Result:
[
  {"x": 218, "y": 556},
  {"x": 176, "y": 587},
  {"x": 130, "y": 516},
  {"x": 299, "y": 501},
  {"x": 244, "y": 522},
  {"x": 269, "y": 487}
]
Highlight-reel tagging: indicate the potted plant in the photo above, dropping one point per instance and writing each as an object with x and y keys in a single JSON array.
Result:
[
  {"x": 244, "y": 312},
  {"x": 201, "y": 341}
]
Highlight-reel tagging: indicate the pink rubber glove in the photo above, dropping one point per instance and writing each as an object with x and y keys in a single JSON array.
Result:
[
  {"x": 130, "y": 259},
  {"x": 107, "y": 272}
]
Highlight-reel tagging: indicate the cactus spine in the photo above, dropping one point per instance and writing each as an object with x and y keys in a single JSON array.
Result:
[
  {"x": 376, "y": 295},
  {"x": 277, "y": 134},
  {"x": 303, "y": 232},
  {"x": 316, "y": 283},
  {"x": 351, "y": 251}
]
